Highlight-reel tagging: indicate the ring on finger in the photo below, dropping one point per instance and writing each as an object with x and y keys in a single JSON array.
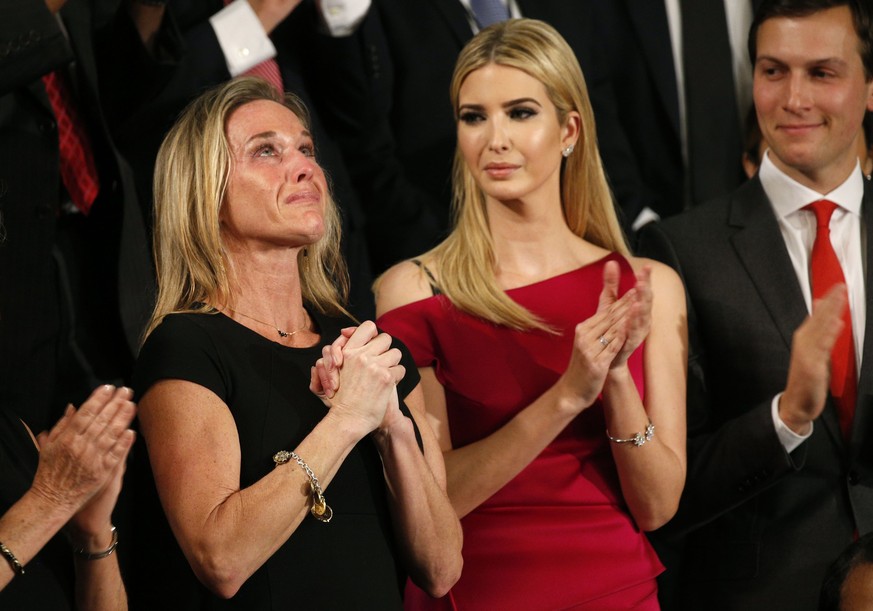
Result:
[{"x": 603, "y": 341}]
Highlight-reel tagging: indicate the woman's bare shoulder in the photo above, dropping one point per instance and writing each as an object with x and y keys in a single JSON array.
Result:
[{"x": 404, "y": 283}]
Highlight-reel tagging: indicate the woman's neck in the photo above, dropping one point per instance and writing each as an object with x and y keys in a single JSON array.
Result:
[
  {"x": 266, "y": 287},
  {"x": 533, "y": 242}
]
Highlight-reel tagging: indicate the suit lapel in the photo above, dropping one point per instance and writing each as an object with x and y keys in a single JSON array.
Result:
[
  {"x": 769, "y": 267},
  {"x": 455, "y": 16},
  {"x": 649, "y": 20}
]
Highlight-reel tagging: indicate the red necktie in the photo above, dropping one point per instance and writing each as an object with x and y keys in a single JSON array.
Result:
[
  {"x": 267, "y": 69},
  {"x": 78, "y": 170},
  {"x": 825, "y": 271}
]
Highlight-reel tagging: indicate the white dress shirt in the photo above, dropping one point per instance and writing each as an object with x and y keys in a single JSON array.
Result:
[
  {"x": 241, "y": 36},
  {"x": 798, "y": 227},
  {"x": 245, "y": 44}
]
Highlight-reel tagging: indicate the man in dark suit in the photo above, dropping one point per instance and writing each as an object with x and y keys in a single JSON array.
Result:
[
  {"x": 387, "y": 99},
  {"x": 684, "y": 130},
  {"x": 76, "y": 287},
  {"x": 780, "y": 475}
]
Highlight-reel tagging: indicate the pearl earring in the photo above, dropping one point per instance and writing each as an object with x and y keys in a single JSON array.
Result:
[{"x": 568, "y": 151}]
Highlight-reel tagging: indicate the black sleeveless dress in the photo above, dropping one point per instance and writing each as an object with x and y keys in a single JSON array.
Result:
[{"x": 351, "y": 562}]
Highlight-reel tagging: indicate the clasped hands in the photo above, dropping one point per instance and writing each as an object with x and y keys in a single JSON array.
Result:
[
  {"x": 604, "y": 342},
  {"x": 357, "y": 378}
]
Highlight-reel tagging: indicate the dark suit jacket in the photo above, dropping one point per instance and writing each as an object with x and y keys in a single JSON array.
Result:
[
  {"x": 762, "y": 525},
  {"x": 189, "y": 61},
  {"x": 75, "y": 291},
  {"x": 387, "y": 95},
  {"x": 635, "y": 38}
]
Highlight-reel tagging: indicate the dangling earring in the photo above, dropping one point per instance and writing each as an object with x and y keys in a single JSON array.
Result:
[
  {"x": 305, "y": 252},
  {"x": 568, "y": 151}
]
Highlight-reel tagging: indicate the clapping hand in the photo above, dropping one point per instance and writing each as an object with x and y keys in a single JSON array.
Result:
[
  {"x": 82, "y": 459},
  {"x": 638, "y": 315}
]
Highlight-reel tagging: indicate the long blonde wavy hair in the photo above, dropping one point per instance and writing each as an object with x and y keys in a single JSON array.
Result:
[
  {"x": 191, "y": 177},
  {"x": 465, "y": 261}
]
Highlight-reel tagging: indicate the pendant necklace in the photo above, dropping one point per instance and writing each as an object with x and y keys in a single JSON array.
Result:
[{"x": 278, "y": 330}]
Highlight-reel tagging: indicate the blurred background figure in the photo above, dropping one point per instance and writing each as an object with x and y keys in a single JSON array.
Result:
[
  {"x": 75, "y": 274},
  {"x": 681, "y": 81},
  {"x": 193, "y": 45}
]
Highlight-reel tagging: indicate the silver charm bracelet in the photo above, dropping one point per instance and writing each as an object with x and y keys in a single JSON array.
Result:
[{"x": 638, "y": 439}]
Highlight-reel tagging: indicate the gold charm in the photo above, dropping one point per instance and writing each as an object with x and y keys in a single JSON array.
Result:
[{"x": 320, "y": 510}]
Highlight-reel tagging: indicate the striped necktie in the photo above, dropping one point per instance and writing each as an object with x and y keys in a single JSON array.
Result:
[{"x": 489, "y": 11}]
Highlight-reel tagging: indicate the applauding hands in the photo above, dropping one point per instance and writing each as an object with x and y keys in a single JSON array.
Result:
[{"x": 606, "y": 340}]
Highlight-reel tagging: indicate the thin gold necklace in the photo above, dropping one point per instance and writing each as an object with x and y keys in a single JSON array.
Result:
[{"x": 278, "y": 330}]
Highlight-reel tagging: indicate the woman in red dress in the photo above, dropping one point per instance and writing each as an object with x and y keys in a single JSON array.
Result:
[{"x": 553, "y": 362}]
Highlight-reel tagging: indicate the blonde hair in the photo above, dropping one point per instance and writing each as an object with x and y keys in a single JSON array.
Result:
[
  {"x": 191, "y": 177},
  {"x": 465, "y": 261}
]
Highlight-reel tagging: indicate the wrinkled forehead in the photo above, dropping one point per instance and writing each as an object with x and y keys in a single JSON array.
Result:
[{"x": 259, "y": 118}]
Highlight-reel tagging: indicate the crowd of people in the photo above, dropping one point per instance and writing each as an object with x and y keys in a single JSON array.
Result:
[{"x": 478, "y": 310}]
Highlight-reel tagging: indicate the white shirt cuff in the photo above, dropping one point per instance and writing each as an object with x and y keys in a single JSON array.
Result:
[
  {"x": 243, "y": 40},
  {"x": 646, "y": 216},
  {"x": 788, "y": 438},
  {"x": 342, "y": 17}
]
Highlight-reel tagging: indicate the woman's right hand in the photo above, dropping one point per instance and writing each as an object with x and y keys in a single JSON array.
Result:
[
  {"x": 368, "y": 374},
  {"x": 596, "y": 343}
]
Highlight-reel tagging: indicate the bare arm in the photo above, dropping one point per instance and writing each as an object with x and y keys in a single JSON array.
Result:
[
  {"x": 98, "y": 580},
  {"x": 80, "y": 463},
  {"x": 428, "y": 528},
  {"x": 652, "y": 476},
  {"x": 227, "y": 532},
  {"x": 426, "y": 524},
  {"x": 478, "y": 470}
]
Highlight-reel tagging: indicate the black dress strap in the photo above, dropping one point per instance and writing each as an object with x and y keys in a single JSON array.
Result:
[{"x": 430, "y": 279}]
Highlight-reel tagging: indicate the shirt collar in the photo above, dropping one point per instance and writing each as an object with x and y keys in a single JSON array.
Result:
[{"x": 787, "y": 196}]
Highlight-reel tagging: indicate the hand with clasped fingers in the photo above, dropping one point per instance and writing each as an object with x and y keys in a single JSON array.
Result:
[
  {"x": 360, "y": 368},
  {"x": 806, "y": 390}
]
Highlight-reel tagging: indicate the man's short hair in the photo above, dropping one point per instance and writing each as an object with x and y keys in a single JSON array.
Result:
[
  {"x": 861, "y": 16},
  {"x": 858, "y": 553}
]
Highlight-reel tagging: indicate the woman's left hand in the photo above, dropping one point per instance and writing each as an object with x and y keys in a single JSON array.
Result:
[
  {"x": 639, "y": 315},
  {"x": 94, "y": 519}
]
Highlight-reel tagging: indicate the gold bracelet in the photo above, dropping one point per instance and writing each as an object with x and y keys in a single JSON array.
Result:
[
  {"x": 638, "y": 439},
  {"x": 320, "y": 510},
  {"x": 83, "y": 553},
  {"x": 13, "y": 561}
]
